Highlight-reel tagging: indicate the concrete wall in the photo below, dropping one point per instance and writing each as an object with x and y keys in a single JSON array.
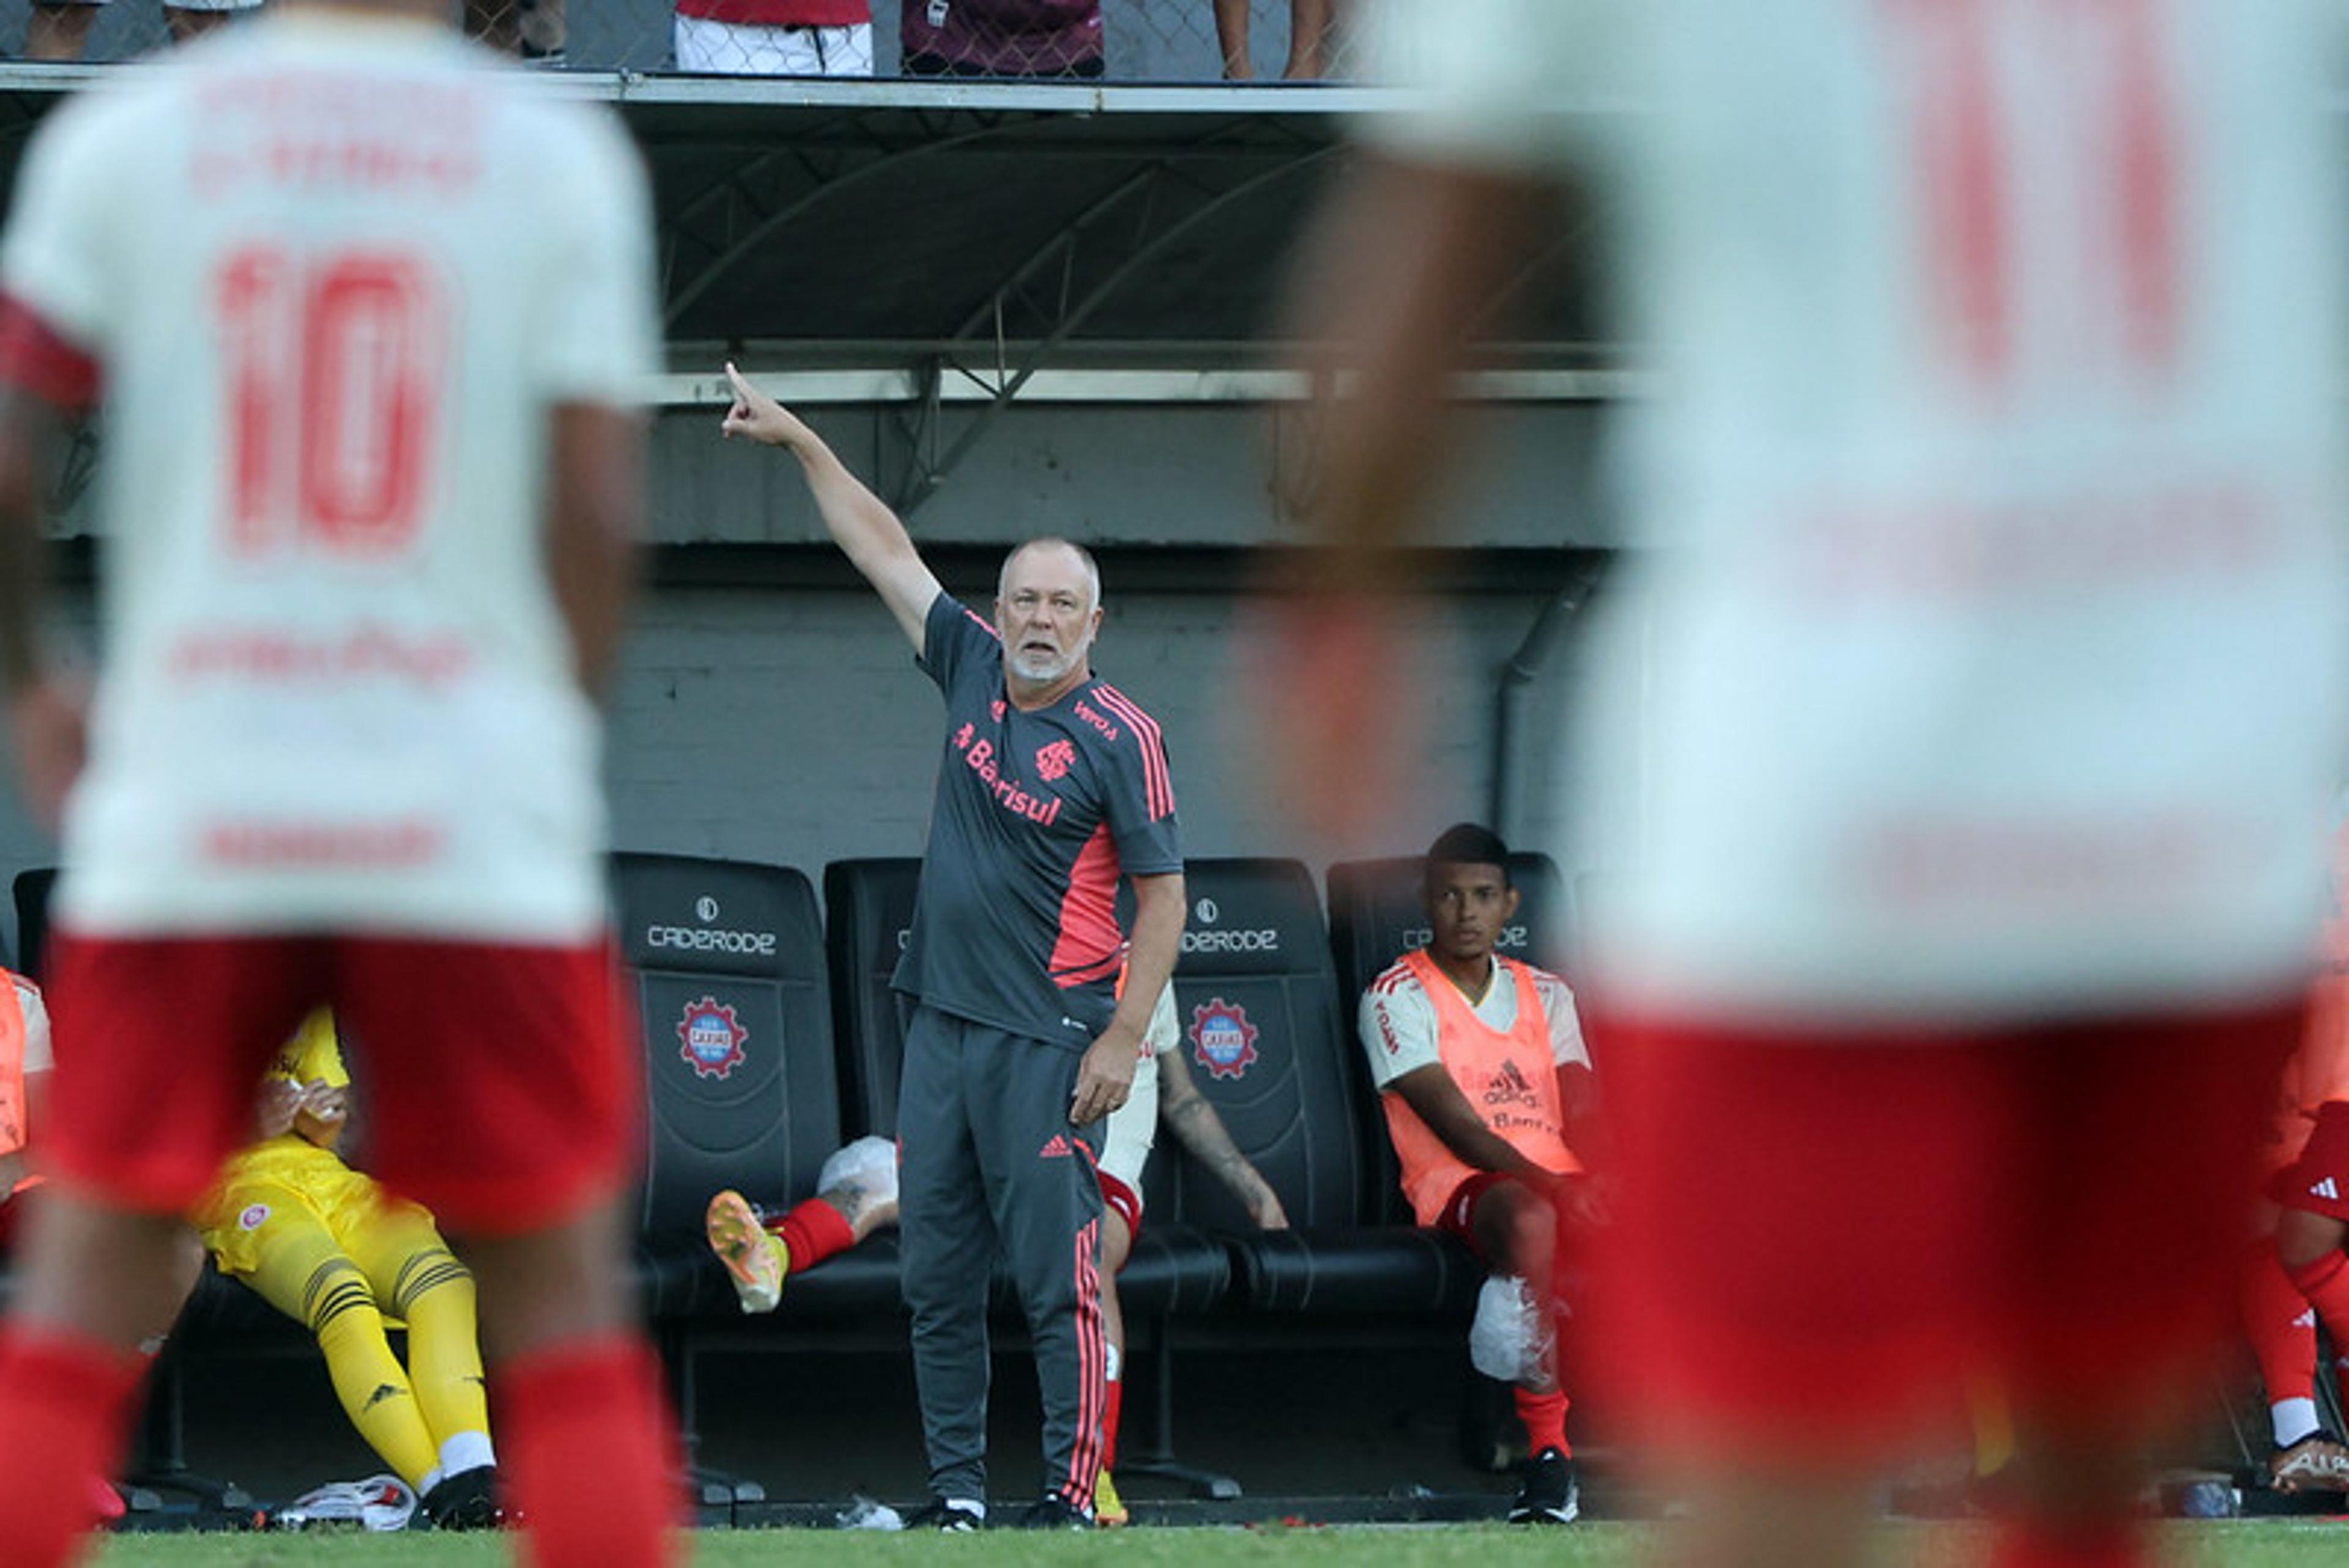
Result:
[{"x": 789, "y": 725}]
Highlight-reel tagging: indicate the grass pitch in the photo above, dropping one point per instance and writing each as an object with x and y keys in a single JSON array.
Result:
[{"x": 2262, "y": 1545}]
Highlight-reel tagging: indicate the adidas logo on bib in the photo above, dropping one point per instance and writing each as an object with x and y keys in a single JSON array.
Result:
[{"x": 2326, "y": 1189}]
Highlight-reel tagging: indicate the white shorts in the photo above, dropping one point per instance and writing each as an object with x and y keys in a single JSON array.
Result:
[
  {"x": 736, "y": 48},
  {"x": 1132, "y": 1127}
]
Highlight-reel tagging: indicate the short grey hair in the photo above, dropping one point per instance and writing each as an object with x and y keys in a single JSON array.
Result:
[{"x": 1051, "y": 542}]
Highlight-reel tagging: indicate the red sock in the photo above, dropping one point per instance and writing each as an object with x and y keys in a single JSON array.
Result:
[
  {"x": 814, "y": 1231},
  {"x": 65, "y": 1417},
  {"x": 587, "y": 1446},
  {"x": 1545, "y": 1419},
  {"x": 1112, "y": 1410},
  {"x": 2281, "y": 1327}
]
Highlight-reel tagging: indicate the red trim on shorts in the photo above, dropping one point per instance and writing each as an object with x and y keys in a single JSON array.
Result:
[
  {"x": 1124, "y": 1200},
  {"x": 1823, "y": 1236},
  {"x": 1458, "y": 1215},
  {"x": 2317, "y": 1182},
  {"x": 38, "y": 359}
]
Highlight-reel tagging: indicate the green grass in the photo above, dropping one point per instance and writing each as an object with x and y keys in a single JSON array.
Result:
[{"x": 2265, "y": 1544}]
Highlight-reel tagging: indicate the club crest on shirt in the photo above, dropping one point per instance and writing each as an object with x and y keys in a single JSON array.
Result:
[
  {"x": 1223, "y": 1041},
  {"x": 255, "y": 1217},
  {"x": 1054, "y": 760},
  {"x": 710, "y": 1038}
]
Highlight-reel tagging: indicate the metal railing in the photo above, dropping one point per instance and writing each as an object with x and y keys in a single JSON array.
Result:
[{"x": 1031, "y": 40}]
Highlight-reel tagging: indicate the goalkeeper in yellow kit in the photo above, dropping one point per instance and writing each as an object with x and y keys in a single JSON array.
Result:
[{"x": 329, "y": 1247}]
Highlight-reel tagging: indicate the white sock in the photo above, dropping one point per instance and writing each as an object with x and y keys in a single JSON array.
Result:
[
  {"x": 431, "y": 1479},
  {"x": 467, "y": 1451},
  {"x": 1113, "y": 1362},
  {"x": 2294, "y": 1420}
]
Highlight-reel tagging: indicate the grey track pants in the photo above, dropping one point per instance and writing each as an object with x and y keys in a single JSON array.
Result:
[{"x": 989, "y": 1160}]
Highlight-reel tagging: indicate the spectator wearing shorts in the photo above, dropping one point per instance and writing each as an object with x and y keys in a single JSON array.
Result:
[
  {"x": 775, "y": 38},
  {"x": 1309, "y": 39},
  {"x": 1487, "y": 1090},
  {"x": 333, "y": 1250}
]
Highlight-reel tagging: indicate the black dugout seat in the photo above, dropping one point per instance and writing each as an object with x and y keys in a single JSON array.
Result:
[
  {"x": 725, "y": 965},
  {"x": 1376, "y": 916},
  {"x": 868, "y": 908},
  {"x": 1266, "y": 1035}
]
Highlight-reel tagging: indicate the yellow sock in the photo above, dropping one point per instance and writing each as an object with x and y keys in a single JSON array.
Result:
[
  {"x": 444, "y": 1346},
  {"x": 368, "y": 1377}
]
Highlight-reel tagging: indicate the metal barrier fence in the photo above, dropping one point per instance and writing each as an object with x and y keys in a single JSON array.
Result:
[{"x": 1119, "y": 40}]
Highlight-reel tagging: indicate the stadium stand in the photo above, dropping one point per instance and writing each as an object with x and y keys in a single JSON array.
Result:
[{"x": 1133, "y": 40}]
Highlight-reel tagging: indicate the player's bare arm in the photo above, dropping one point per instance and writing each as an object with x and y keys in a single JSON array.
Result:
[
  {"x": 1431, "y": 1095},
  {"x": 1105, "y": 1076},
  {"x": 1193, "y": 1119},
  {"x": 1394, "y": 278},
  {"x": 594, "y": 512},
  {"x": 859, "y": 522},
  {"x": 46, "y": 722}
]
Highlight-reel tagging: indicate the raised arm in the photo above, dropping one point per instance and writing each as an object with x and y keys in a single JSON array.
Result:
[
  {"x": 1192, "y": 1118},
  {"x": 595, "y": 507},
  {"x": 864, "y": 528}
]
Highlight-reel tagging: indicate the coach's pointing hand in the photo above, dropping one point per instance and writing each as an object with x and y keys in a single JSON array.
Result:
[
  {"x": 759, "y": 416},
  {"x": 1105, "y": 1076}
]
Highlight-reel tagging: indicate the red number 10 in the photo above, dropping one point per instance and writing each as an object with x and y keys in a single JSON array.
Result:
[{"x": 333, "y": 380}]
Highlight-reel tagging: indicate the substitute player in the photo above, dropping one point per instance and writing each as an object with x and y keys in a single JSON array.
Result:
[
  {"x": 1163, "y": 1091},
  {"x": 370, "y": 317},
  {"x": 856, "y": 1194},
  {"x": 1053, "y": 785},
  {"x": 2298, "y": 1275},
  {"x": 332, "y": 1250},
  {"x": 26, "y": 1061},
  {"x": 1967, "y": 746},
  {"x": 1486, "y": 1087}
]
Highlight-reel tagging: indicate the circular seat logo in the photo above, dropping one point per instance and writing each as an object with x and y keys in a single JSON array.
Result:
[
  {"x": 1223, "y": 1041},
  {"x": 710, "y": 1038}
]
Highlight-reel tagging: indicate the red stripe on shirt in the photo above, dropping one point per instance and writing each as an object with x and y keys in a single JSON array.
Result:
[
  {"x": 781, "y": 13},
  {"x": 1159, "y": 782},
  {"x": 1088, "y": 938},
  {"x": 35, "y": 357}
]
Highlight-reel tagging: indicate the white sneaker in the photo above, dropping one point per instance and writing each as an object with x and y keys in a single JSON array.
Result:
[{"x": 378, "y": 1503}]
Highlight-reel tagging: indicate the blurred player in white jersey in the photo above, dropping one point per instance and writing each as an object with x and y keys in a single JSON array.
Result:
[
  {"x": 369, "y": 317},
  {"x": 1988, "y": 683}
]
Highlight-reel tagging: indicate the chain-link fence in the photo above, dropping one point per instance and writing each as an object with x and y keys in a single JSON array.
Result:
[{"x": 1029, "y": 40}]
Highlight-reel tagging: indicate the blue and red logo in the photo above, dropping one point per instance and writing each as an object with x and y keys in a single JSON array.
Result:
[
  {"x": 710, "y": 1038},
  {"x": 1223, "y": 1041}
]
